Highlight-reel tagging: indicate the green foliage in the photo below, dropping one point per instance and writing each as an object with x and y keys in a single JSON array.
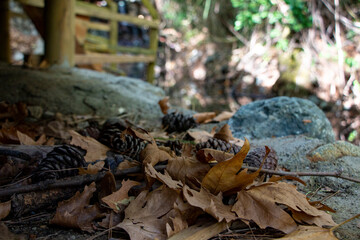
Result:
[
  {"x": 253, "y": 12},
  {"x": 352, "y": 136}
]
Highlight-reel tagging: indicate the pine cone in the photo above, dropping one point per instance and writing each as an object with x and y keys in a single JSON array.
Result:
[
  {"x": 93, "y": 132},
  {"x": 175, "y": 146},
  {"x": 113, "y": 160},
  {"x": 218, "y": 144},
  {"x": 124, "y": 144},
  {"x": 60, "y": 158},
  {"x": 255, "y": 157},
  {"x": 177, "y": 122}
]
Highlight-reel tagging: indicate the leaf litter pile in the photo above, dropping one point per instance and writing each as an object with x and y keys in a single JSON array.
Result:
[{"x": 116, "y": 180}]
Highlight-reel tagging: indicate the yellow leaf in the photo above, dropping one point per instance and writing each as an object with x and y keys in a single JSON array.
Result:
[
  {"x": 310, "y": 233},
  {"x": 223, "y": 177}
]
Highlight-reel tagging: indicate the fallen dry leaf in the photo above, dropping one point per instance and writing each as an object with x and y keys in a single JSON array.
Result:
[
  {"x": 5, "y": 209},
  {"x": 225, "y": 115},
  {"x": 120, "y": 197},
  {"x": 92, "y": 168},
  {"x": 310, "y": 233},
  {"x": 164, "y": 105},
  {"x": 210, "y": 203},
  {"x": 128, "y": 164},
  {"x": 188, "y": 170},
  {"x": 94, "y": 149},
  {"x": 164, "y": 178},
  {"x": 144, "y": 135},
  {"x": 9, "y": 136},
  {"x": 200, "y": 136},
  {"x": 7, "y": 235},
  {"x": 224, "y": 176},
  {"x": 147, "y": 215},
  {"x": 224, "y": 133},
  {"x": 206, "y": 155},
  {"x": 204, "y": 117},
  {"x": 263, "y": 212},
  {"x": 25, "y": 139},
  {"x": 260, "y": 204},
  {"x": 76, "y": 212},
  {"x": 153, "y": 155}
]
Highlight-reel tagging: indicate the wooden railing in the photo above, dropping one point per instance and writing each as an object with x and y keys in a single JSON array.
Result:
[{"x": 106, "y": 50}]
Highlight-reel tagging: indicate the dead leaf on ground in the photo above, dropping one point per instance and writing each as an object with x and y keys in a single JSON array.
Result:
[
  {"x": 7, "y": 235},
  {"x": 260, "y": 204},
  {"x": 204, "y": 117},
  {"x": 92, "y": 168},
  {"x": 207, "y": 155},
  {"x": 148, "y": 213},
  {"x": 128, "y": 164},
  {"x": 9, "y": 136},
  {"x": 76, "y": 212},
  {"x": 210, "y": 203},
  {"x": 310, "y": 233},
  {"x": 94, "y": 149},
  {"x": 57, "y": 129},
  {"x": 120, "y": 198},
  {"x": 224, "y": 133},
  {"x": 188, "y": 170},
  {"x": 200, "y": 136},
  {"x": 225, "y": 115},
  {"x": 153, "y": 155},
  {"x": 224, "y": 176},
  {"x": 164, "y": 178},
  {"x": 17, "y": 111},
  {"x": 144, "y": 135},
  {"x": 164, "y": 105},
  {"x": 5, "y": 209}
]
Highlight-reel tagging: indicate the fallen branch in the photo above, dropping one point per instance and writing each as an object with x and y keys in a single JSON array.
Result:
[
  {"x": 76, "y": 181},
  {"x": 337, "y": 174}
]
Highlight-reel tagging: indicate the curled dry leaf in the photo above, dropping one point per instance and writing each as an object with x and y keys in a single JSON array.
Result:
[
  {"x": 225, "y": 115},
  {"x": 260, "y": 204},
  {"x": 92, "y": 168},
  {"x": 128, "y": 164},
  {"x": 164, "y": 105},
  {"x": 153, "y": 155},
  {"x": 94, "y": 149},
  {"x": 144, "y": 135},
  {"x": 164, "y": 178},
  {"x": 224, "y": 133},
  {"x": 188, "y": 170},
  {"x": 147, "y": 215},
  {"x": 224, "y": 176},
  {"x": 310, "y": 233},
  {"x": 76, "y": 212},
  {"x": 5, "y": 209},
  {"x": 204, "y": 117},
  {"x": 9, "y": 136},
  {"x": 206, "y": 155},
  {"x": 200, "y": 136},
  {"x": 209, "y": 203},
  {"x": 120, "y": 197}
]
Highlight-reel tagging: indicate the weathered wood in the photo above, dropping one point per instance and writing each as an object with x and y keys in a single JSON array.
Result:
[
  {"x": 153, "y": 13},
  {"x": 113, "y": 41},
  {"x": 93, "y": 25},
  {"x": 5, "y": 52},
  {"x": 111, "y": 58},
  {"x": 88, "y": 9},
  {"x": 34, "y": 3},
  {"x": 60, "y": 32}
]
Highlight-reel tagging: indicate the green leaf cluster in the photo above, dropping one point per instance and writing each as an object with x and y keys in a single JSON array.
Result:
[{"x": 254, "y": 12}]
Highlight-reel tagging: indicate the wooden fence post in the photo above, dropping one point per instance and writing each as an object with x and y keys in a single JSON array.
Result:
[
  {"x": 60, "y": 32},
  {"x": 5, "y": 52},
  {"x": 153, "y": 32}
]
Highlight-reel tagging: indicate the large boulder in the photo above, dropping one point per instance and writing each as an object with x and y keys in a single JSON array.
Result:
[
  {"x": 80, "y": 91},
  {"x": 281, "y": 116}
]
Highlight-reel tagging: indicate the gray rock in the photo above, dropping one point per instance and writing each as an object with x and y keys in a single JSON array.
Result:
[
  {"x": 281, "y": 116},
  {"x": 80, "y": 91},
  {"x": 296, "y": 153}
]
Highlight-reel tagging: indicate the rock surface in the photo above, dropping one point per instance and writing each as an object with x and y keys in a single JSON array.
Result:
[
  {"x": 296, "y": 153},
  {"x": 80, "y": 91},
  {"x": 281, "y": 116}
]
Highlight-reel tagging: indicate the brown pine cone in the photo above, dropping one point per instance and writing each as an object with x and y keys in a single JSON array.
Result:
[
  {"x": 218, "y": 144},
  {"x": 178, "y": 122},
  {"x": 123, "y": 143},
  {"x": 255, "y": 157},
  {"x": 54, "y": 165},
  {"x": 174, "y": 145}
]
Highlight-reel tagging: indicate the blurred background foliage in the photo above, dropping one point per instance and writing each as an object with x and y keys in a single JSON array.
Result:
[{"x": 218, "y": 55}]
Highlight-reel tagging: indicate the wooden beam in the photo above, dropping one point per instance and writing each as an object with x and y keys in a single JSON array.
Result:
[
  {"x": 60, "y": 32},
  {"x": 111, "y": 58},
  {"x": 34, "y": 3},
  {"x": 93, "y": 25},
  {"x": 5, "y": 51},
  {"x": 153, "y": 13},
  {"x": 88, "y": 9}
]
